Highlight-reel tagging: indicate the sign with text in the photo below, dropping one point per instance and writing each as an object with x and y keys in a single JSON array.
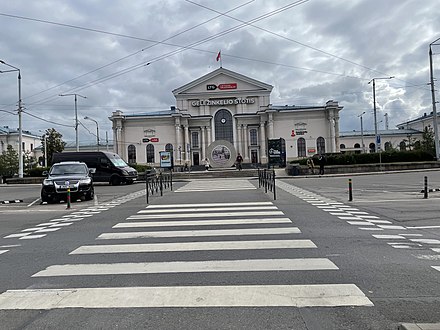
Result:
[
  {"x": 227, "y": 86},
  {"x": 166, "y": 159},
  {"x": 277, "y": 152}
]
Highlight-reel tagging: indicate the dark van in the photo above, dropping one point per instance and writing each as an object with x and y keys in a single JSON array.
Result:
[{"x": 109, "y": 167}]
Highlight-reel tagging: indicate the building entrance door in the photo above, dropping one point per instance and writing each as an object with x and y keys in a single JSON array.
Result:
[
  {"x": 254, "y": 156},
  {"x": 196, "y": 159}
]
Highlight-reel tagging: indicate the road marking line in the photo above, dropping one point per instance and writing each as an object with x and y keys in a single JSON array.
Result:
[
  {"x": 425, "y": 240},
  {"x": 10, "y": 246},
  {"x": 248, "y": 265},
  {"x": 29, "y": 205},
  {"x": 211, "y": 209},
  {"x": 17, "y": 235},
  {"x": 378, "y": 221},
  {"x": 33, "y": 236},
  {"x": 392, "y": 227},
  {"x": 339, "y": 213},
  {"x": 196, "y": 233},
  {"x": 47, "y": 230},
  {"x": 423, "y": 227},
  {"x": 357, "y": 212},
  {"x": 435, "y": 250},
  {"x": 360, "y": 223},
  {"x": 436, "y": 268},
  {"x": 207, "y": 205},
  {"x": 317, "y": 295},
  {"x": 389, "y": 236},
  {"x": 377, "y": 229},
  {"x": 195, "y": 246},
  {"x": 223, "y": 222},
  {"x": 3, "y": 251},
  {"x": 45, "y": 224},
  {"x": 141, "y": 215},
  {"x": 62, "y": 224},
  {"x": 349, "y": 218},
  {"x": 368, "y": 216},
  {"x": 31, "y": 229}
]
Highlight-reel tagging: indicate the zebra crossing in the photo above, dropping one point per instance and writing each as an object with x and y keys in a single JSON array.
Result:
[
  {"x": 202, "y": 185},
  {"x": 252, "y": 226}
]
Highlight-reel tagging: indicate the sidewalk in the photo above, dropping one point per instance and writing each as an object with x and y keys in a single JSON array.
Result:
[{"x": 419, "y": 326}]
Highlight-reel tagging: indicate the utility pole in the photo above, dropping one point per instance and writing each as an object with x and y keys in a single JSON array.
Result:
[
  {"x": 76, "y": 117},
  {"x": 434, "y": 108},
  {"x": 362, "y": 132}
]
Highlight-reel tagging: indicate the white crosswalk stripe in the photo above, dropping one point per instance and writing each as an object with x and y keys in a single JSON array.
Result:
[
  {"x": 262, "y": 219},
  {"x": 216, "y": 185}
]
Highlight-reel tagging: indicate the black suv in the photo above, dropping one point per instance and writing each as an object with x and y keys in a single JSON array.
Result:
[{"x": 61, "y": 176}]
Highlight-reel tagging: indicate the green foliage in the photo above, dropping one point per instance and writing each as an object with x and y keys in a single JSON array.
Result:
[
  {"x": 9, "y": 162},
  {"x": 38, "y": 171},
  {"x": 427, "y": 144},
  {"x": 373, "y": 158},
  {"x": 54, "y": 143},
  {"x": 140, "y": 168}
]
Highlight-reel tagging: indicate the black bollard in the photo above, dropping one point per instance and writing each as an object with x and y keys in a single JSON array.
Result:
[
  {"x": 425, "y": 190},
  {"x": 350, "y": 191}
]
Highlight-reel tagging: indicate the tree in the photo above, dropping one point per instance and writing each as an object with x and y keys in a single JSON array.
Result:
[
  {"x": 54, "y": 143},
  {"x": 9, "y": 162},
  {"x": 427, "y": 143}
]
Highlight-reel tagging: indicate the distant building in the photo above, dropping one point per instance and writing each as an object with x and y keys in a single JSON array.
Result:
[
  {"x": 10, "y": 137},
  {"x": 220, "y": 115}
]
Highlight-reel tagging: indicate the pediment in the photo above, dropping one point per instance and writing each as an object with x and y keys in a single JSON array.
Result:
[{"x": 222, "y": 81}]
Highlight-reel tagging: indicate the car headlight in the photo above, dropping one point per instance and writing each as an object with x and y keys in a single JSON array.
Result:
[
  {"x": 85, "y": 181},
  {"x": 47, "y": 182},
  {"x": 125, "y": 172}
]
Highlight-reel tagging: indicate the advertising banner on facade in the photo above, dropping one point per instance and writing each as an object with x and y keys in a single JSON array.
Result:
[
  {"x": 166, "y": 159},
  {"x": 276, "y": 152}
]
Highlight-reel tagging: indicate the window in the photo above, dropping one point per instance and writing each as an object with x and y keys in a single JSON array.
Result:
[
  {"x": 223, "y": 126},
  {"x": 150, "y": 153},
  {"x": 342, "y": 146},
  {"x": 253, "y": 137},
  {"x": 402, "y": 146},
  {"x": 131, "y": 154},
  {"x": 387, "y": 146},
  {"x": 320, "y": 145},
  {"x": 357, "y": 145},
  {"x": 169, "y": 147},
  {"x": 194, "y": 139},
  {"x": 32, "y": 146},
  {"x": 301, "y": 144},
  {"x": 372, "y": 147}
]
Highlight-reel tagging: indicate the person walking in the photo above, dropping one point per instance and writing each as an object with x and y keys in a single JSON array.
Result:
[
  {"x": 321, "y": 164},
  {"x": 238, "y": 161}
]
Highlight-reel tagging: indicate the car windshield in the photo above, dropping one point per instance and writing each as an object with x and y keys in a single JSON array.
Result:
[
  {"x": 68, "y": 169},
  {"x": 118, "y": 161}
]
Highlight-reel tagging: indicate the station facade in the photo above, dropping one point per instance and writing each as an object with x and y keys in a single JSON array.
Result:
[{"x": 219, "y": 115}]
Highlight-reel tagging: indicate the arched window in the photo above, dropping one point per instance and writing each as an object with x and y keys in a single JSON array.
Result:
[
  {"x": 131, "y": 154},
  {"x": 320, "y": 145},
  {"x": 150, "y": 153},
  {"x": 223, "y": 126},
  {"x": 169, "y": 147},
  {"x": 301, "y": 145},
  {"x": 253, "y": 136},
  {"x": 387, "y": 146},
  {"x": 402, "y": 145},
  {"x": 372, "y": 147},
  {"x": 357, "y": 145},
  {"x": 342, "y": 146}
]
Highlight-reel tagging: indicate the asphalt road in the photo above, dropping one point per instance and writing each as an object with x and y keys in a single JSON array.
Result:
[{"x": 222, "y": 254}]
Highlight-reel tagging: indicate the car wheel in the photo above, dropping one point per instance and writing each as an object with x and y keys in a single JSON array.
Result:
[
  {"x": 90, "y": 195},
  {"x": 115, "y": 181},
  {"x": 129, "y": 182}
]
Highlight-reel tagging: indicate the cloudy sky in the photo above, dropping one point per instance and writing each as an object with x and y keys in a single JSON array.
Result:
[{"x": 130, "y": 55}]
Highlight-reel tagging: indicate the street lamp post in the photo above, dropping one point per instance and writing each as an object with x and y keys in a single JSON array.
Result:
[
  {"x": 76, "y": 117},
  {"x": 20, "y": 130},
  {"x": 362, "y": 132},
  {"x": 434, "y": 108},
  {"x": 45, "y": 148},
  {"x": 97, "y": 129},
  {"x": 377, "y": 144}
]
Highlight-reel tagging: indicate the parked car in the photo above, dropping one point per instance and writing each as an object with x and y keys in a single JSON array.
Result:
[
  {"x": 109, "y": 167},
  {"x": 73, "y": 175}
]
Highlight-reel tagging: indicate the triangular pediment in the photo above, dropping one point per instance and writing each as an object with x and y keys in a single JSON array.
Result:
[{"x": 222, "y": 81}]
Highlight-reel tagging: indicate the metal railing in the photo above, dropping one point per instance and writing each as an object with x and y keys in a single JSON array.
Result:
[
  {"x": 266, "y": 179},
  {"x": 156, "y": 183}
]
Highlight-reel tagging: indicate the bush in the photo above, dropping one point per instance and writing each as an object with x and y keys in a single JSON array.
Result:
[
  {"x": 140, "y": 167},
  {"x": 38, "y": 171},
  {"x": 372, "y": 158}
]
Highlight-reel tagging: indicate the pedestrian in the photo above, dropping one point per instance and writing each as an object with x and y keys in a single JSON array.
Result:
[
  {"x": 207, "y": 165},
  {"x": 311, "y": 165},
  {"x": 238, "y": 161},
  {"x": 321, "y": 164}
]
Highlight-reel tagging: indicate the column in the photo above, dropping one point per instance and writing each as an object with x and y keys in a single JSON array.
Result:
[
  {"x": 178, "y": 147},
  {"x": 209, "y": 135},
  {"x": 186, "y": 142},
  {"x": 263, "y": 147},
  {"x": 246, "y": 143},
  {"x": 270, "y": 126},
  {"x": 203, "y": 142},
  {"x": 239, "y": 139},
  {"x": 337, "y": 132}
]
